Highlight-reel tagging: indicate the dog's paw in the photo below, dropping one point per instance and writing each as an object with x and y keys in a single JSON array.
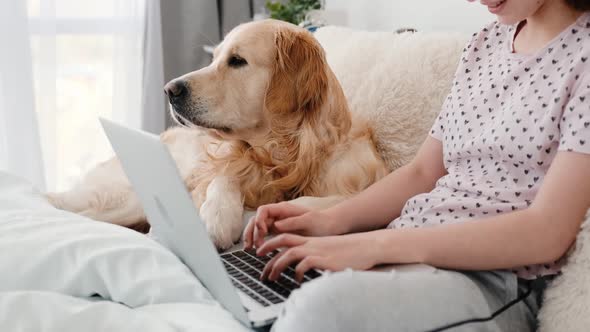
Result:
[
  {"x": 72, "y": 201},
  {"x": 55, "y": 199},
  {"x": 223, "y": 222}
]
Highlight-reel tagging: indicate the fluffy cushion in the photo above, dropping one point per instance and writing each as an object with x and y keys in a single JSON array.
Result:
[
  {"x": 567, "y": 300},
  {"x": 399, "y": 83}
]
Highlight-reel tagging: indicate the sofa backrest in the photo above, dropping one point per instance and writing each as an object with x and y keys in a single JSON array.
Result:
[{"x": 397, "y": 81}]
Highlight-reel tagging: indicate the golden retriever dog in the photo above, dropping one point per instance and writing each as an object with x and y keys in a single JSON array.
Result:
[{"x": 266, "y": 121}]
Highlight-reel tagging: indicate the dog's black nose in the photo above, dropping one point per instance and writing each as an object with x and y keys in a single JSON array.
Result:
[{"x": 176, "y": 90}]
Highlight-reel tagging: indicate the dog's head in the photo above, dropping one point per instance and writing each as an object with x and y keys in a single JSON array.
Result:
[{"x": 262, "y": 73}]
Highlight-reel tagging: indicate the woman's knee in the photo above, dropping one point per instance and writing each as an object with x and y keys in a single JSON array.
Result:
[{"x": 318, "y": 304}]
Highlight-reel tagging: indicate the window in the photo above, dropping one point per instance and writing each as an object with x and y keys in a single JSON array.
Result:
[{"x": 87, "y": 62}]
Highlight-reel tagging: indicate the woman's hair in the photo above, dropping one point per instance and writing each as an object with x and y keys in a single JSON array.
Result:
[{"x": 583, "y": 5}]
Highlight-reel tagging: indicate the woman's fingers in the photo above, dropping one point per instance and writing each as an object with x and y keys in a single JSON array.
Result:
[
  {"x": 277, "y": 211},
  {"x": 290, "y": 225},
  {"x": 266, "y": 216},
  {"x": 261, "y": 218},
  {"x": 291, "y": 256},
  {"x": 280, "y": 241},
  {"x": 269, "y": 265},
  {"x": 285, "y": 210},
  {"x": 248, "y": 233},
  {"x": 308, "y": 263},
  {"x": 259, "y": 235}
]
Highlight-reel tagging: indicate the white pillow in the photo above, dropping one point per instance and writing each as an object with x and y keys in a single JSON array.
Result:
[{"x": 56, "y": 256}]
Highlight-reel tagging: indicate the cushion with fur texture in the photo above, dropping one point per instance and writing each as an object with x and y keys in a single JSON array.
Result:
[
  {"x": 566, "y": 304},
  {"x": 399, "y": 82}
]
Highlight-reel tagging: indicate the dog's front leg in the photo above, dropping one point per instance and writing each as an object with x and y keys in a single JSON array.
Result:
[{"x": 222, "y": 211}]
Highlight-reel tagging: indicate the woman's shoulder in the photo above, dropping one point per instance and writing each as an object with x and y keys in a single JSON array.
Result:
[
  {"x": 578, "y": 34},
  {"x": 576, "y": 39},
  {"x": 491, "y": 36},
  {"x": 584, "y": 21},
  {"x": 576, "y": 47},
  {"x": 491, "y": 32},
  {"x": 486, "y": 41}
]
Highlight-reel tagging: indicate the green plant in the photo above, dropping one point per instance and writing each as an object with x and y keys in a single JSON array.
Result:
[{"x": 293, "y": 11}]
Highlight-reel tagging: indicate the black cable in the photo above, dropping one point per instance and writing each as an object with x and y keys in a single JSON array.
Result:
[{"x": 488, "y": 318}]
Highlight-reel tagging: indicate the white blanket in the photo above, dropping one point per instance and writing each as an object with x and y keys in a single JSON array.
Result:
[{"x": 62, "y": 272}]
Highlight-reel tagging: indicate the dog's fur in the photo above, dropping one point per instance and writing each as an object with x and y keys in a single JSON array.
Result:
[{"x": 267, "y": 121}]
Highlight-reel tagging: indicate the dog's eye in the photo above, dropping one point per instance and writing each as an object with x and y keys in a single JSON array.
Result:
[{"x": 235, "y": 61}]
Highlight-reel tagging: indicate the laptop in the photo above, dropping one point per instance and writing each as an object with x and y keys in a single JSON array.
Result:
[{"x": 232, "y": 277}]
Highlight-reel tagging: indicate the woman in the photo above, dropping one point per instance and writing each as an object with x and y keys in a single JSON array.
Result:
[{"x": 494, "y": 197}]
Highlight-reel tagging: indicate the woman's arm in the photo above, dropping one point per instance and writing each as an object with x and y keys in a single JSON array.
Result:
[
  {"x": 539, "y": 234},
  {"x": 382, "y": 202}
]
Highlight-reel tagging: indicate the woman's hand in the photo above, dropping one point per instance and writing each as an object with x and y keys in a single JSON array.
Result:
[
  {"x": 287, "y": 218},
  {"x": 333, "y": 253}
]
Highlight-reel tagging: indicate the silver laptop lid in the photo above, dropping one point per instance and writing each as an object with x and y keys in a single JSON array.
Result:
[{"x": 170, "y": 210}]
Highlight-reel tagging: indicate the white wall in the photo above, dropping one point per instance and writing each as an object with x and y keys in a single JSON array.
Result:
[{"x": 424, "y": 15}]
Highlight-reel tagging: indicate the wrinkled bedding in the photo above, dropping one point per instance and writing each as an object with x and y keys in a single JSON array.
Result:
[{"x": 63, "y": 272}]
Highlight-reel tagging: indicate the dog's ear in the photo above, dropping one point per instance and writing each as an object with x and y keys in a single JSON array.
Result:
[{"x": 300, "y": 80}]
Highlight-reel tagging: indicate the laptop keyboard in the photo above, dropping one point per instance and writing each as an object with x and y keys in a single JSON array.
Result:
[{"x": 245, "y": 268}]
